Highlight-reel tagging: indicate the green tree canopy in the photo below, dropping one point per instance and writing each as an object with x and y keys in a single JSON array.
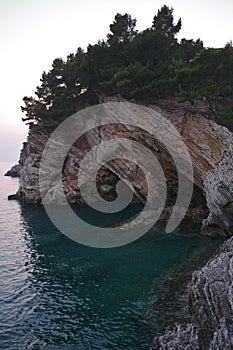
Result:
[
  {"x": 122, "y": 29},
  {"x": 140, "y": 66},
  {"x": 163, "y": 23}
]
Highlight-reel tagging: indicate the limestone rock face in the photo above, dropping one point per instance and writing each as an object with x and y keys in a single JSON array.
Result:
[
  {"x": 182, "y": 337},
  {"x": 218, "y": 186},
  {"x": 29, "y": 167},
  {"x": 211, "y": 307},
  {"x": 209, "y": 145}
]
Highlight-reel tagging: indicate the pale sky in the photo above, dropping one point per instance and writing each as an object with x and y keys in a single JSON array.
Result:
[{"x": 34, "y": 32}]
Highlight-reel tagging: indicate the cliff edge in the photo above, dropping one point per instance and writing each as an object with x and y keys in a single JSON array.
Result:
[{"x": 209, "y": 144}]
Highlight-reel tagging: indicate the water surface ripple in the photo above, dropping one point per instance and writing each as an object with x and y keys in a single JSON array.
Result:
[{"x": 57, "y": 294}]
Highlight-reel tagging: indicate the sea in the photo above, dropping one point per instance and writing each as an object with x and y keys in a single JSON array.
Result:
[{"x": 57, "y": 294}]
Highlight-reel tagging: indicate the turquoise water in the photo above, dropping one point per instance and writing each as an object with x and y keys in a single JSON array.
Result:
[{"x": 57, "y": 294}]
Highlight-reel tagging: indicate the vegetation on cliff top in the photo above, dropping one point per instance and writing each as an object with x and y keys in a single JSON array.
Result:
[{"x": 140, "y": 66}]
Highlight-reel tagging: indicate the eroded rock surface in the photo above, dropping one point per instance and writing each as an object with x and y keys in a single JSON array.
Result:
[
  {"x": 182, "y": 337},
  {"x": 218, "y": 186},
  {"x": 209, "y": 146},
  {"x": 211, "y": 308}
]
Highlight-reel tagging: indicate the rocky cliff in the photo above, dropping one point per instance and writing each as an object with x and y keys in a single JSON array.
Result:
[
  {"x": 211, "y": 149},
  {"x": 209, "y": 145},
  {"x": 211, "y": 308},
  {"x": 14, "y": 171}
]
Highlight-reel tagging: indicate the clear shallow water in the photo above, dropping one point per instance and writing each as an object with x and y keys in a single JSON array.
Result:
[{"x": 57, "y": 294}]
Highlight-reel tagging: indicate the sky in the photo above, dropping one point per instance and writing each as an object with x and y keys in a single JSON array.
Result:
[{"x": 33, "y": 33}]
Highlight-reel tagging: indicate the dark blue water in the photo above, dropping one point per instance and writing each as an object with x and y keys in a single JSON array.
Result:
[{"x": 57, "y": 294}]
